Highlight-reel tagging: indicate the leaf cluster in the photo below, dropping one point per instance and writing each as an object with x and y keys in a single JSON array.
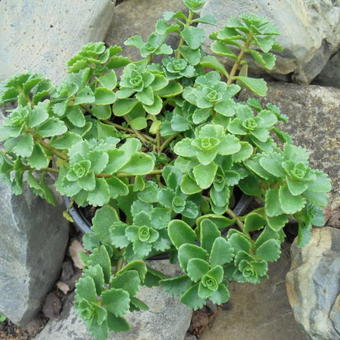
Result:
[{"x": 161, "y": 152}]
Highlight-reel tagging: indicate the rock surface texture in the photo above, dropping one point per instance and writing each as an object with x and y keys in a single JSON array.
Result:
[
  {"x": 167, "y": 318},
  {"x": 33, "y": 237},
  {"x": 40, "y": 36},
  {"x": 313, "y": 284},
  {"x": 313, "y": 113},
  {"x": 330, "y": 75},
  {"x": 258, "y": 312},
  {"x": 310, "y": 31},
  {"x": 133, "y": 17}
]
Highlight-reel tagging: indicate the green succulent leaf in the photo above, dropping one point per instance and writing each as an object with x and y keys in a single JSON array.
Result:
[
  {"x": 38, "y": 159},
  {"x": 117, "y": 324},
  {"x": 192, "y": 299},
  {"x": 52, "y": 127},
  {"x": 22, "y": 145},
  {"x": 181, "y": 233},
  {"x": 108, "y": 80},
  {"x": 176, "y": 286},
  {"x": 278, "y": 222},
  {"x": 104, "y": 96},
  {"x": 290, "y": 204},
  {"x": 239, "y": 241},
  {"x": 205, "y": 174},
  {"x": 269, "y": 250},
  {"x": 254, "y": 221},
  {"x": 272, "y": 203},
  {"x": 116, "y": 301},
  {"x": 221, "y": 295},
  {"x": 221, "y": 252},
  {"x": 101, "y": 256},
  {"x": 193, "y": 36},
  {"x": 138, "y": 266},
  {"x": 188, "y": 251},
  {"x": 86, "y": 289},
  {"x": 129, "y": 281},
  {"x": 121, "y": 107},
  {"x": 212, "y": 62},
  {"x": 208, "y": 234},
  {"x": 255, "y": 85},
  {"x": 139, "y": 164},
  {"x": 197, "y": 268}
]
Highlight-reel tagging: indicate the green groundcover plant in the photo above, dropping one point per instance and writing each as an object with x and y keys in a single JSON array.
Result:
[{"x": 159, "y": 151}]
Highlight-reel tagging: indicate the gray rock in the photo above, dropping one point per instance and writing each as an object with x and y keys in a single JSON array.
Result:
[
  {"x": 313, "y": 123},
  {"x": 33, "y": 238},
  {"x": 310, "y": 31},
  {"x": 258, "y": 312},
  {"x": 133, "y": 17},
  {"x": 167, "y": 318},
  {"x": 313, "y": 284},
  {"x": 330, "y": 75},
  {"x": 40, "y": 36}
]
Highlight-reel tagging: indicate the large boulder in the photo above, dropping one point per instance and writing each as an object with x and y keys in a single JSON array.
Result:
[
  {"x": 40, "y": 36},
  {"x": 133, "y": 17},
  {"x": 313, "y": 284},
  {"x": 167, "y": 318},
  {"x": 310, "y": 31},
  {"x": 33, "y": 238}
]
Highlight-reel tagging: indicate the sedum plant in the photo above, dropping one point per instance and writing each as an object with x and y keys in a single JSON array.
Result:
[{"x": 161, "y": 152}]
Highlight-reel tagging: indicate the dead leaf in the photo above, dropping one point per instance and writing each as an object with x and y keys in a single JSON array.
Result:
[
  {"x": 63, "y": 287},
  {"x": 74, "y": 250}
]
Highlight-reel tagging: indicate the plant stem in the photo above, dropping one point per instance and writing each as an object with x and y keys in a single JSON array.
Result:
[
  {"x": 126, "y": 129},
  {"x": 167, "y": 141},
  {"x": 239, "y": 59},
  {"x": 7, "y": 156},
  {"x": 181, "y": 41},
  {"x": 49, "y": 147},
  {"x": 123, "y": 174},
  {"x": 236, "y": 218},
  {"x": 50, "y": 170},
  {"x": 158, "y": 142},
  {"x": 140, "y": 135},
  {"x": 120, "y": 264},
  {"x": 117, "y": 126}
]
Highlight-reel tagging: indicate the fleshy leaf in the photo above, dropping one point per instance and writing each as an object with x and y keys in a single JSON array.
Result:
[
  {"x": 255, "y": 85},
  {"x": 188, "y": 251},
  {"x": 221, "y": 252},
  {"x": 176, "y": 286},
  {"x": 205, "y": 174},
  {"x": 208, "y": 233},
  {"x": 290, "y": 204},
  {"x": 180, "y": 233},
  {"x": 269, "y": 250},
  {"x": 197, "y": 268},
  {"x": 117, "y": 301},
  {"x": 191, "y": 298}
]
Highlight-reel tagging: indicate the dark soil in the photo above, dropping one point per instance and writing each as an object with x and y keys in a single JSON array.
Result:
[{"x": 9, "y": 331}]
